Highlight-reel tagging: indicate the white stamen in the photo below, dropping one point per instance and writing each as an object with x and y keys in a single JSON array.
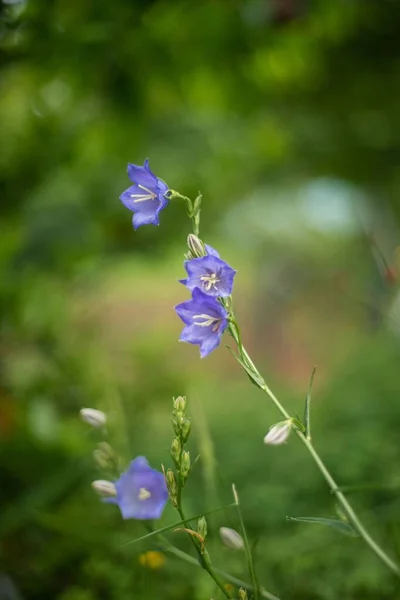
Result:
[
  {"x": 210, "y": 281},
  {"x": 144, "y": 494},
  {"x": 143, "y": 197},
  {"x": 208, "y": 321}
]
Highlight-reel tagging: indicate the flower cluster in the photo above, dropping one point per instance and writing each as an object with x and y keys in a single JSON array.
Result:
[
  {"x": 205, "y": 317},
  {"x": 209, "y": 278},
  {"x": 140, "y": 492}
]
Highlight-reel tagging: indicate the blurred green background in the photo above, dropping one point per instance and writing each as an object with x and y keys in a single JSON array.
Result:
[{"x": 285, "y": 114}]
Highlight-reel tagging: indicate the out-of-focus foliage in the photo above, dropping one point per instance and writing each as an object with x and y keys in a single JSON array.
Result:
[{"x": 285, "y": 114}]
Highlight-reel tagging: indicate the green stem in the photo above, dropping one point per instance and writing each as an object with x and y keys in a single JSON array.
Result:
[
  {"x": 307, "y": 416},
  {"x": 318, "y": 461},
  {"x": 250, "y": 561},
  {"x": 238, "y": 582},
  {"x": 194, "y": 214},
  {"x": 203, "y": 562}
]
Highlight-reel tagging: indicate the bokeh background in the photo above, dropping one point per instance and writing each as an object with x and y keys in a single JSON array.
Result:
[{"x": 285, "y": 114}]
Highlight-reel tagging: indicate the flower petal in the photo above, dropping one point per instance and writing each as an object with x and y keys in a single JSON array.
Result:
[{"x": 142, "y": 175}]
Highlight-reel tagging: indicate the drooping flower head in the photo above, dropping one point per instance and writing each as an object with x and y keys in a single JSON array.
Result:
[
  {"x": 146, "y": 197},
  {"x": 205, "y": 320},
  {"x": 141, "y": 492},
  {"x": 210, "y": 274}
]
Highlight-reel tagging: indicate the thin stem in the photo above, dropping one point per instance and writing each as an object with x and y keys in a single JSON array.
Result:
[
  {"x": 307, "y": 416},
  {"x": 249, "y": 553},
  {"x": 238, "y": 582},
  {"x": 348, "y": 508},
  {"x": 326, "y": 474},
  {"x": 204, "y": 563}
]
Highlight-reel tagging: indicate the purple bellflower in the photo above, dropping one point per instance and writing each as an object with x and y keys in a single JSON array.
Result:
[
  {"x": 210, "y": 274},
  {"x": 141, "y": 491},
  {"x": 205, "y": 319},
  {"x": 146, "y": 197}
]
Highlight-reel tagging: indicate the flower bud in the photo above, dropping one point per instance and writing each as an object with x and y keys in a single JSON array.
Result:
[
  {"x": 195, "y": 246},
  {"x": 176, "y": 449},
  {"x": 242, "y": 594},
  {"x": 231, "y": 538},
  {"x": 104, "y": 488},
  {"x": 95, "y": 418},
  {"x": 104, "y": 455},
  {"x": 185, "y": 464},
  {"x": 180, "y": 404},
  {"x": 172, "y": 486},
  {"x": 278, "y": 434},
  {"x": 202, "y": 527},
  {"x": 185, "y": 426}
]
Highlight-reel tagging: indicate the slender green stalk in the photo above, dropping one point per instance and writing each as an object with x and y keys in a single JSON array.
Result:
[
  {"x": 249, "y": 367},
  {"x": 238, "y": 582},
  {"x": 204, "y": 560},
  {"x": 249, "y": 553},
  {"x": 318, "y": 461},
  {"x": 307, "y": 416}
]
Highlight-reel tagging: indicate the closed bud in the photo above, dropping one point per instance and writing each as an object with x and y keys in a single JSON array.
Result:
[
  {"x": 95, "y": 418},
  {"x": 197, "y": 204},
  {"x": 202, "y": 527},
  {"x": 104, "y": 455},
  {"x": 242, "y": 594},
  {"x": 180, "y": 404},
  {"x": 185, "y": 427},
  {"x": 104, "y": 488},
  {"x": 279, "y": 433},
  {"x": 196, "y": 246},
  {"x": 231, "y": 538},
  {"x": 176, "y": 449},
  {"x": 185, "y": 464},
  {"x": 172, "y": 486}
]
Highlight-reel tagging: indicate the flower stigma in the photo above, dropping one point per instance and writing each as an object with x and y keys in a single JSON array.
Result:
[
  {"x": 210, "y": 281},
  {"x": 144, "y": 494}
]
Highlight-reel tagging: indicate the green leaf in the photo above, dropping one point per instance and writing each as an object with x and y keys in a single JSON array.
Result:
[
  {"x": 341, "y": 526},
  {"x": 178, "y": 524}
]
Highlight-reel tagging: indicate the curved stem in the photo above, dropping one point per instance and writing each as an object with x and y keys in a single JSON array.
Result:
[
  {"x": 189, "y": 559},
  {"x": 234, "y": 331},
  {"x": 204, "y": 563}
]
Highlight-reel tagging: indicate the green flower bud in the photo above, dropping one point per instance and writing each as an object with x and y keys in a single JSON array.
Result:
[
  {"x": 185, "y": 427},
  {"x": 180, "y": 404},
  {"x": 172, "y": 486},
  {"x": 242, "y": 594},
  {"x": 185, "y": 464},
  {"x": 104, "y": 456},
  {"x": 176, "y": 449},
  {"x": 202, "y": 527}
]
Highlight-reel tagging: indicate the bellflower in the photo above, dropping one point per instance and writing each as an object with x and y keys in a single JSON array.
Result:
[
  {"x": 146, "y": 197},
  {"x": 210, "y": 274},
  {"x": 141, "y": 492},
  {"x": 205, "y": 320}
]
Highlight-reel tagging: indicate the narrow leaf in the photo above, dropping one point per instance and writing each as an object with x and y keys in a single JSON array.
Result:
[
  {"x": 175, "y": 525},
  {"x": 341, "y": 526},
  {"x": 255, "y": 380}
]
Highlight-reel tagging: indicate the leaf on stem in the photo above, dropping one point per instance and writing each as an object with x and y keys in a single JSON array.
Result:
[
  {"x": 176, "y": 525},
  {"x": 337, "y": 524}
]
